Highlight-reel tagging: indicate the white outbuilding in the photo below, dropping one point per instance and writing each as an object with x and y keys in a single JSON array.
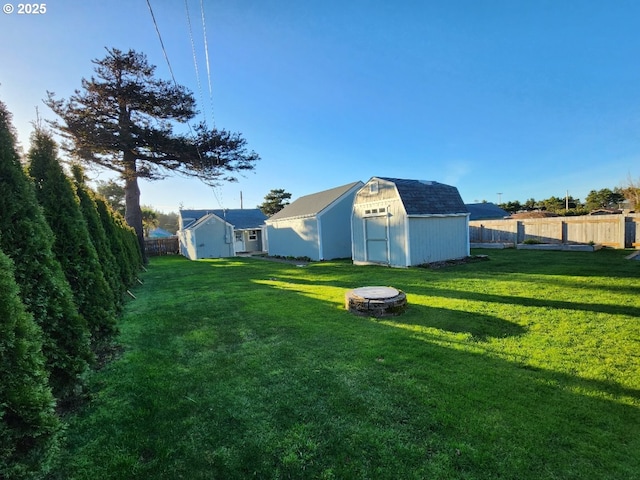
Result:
[
  {"x": 317, "y": 226},
  {"x": 403, "y": 223}
]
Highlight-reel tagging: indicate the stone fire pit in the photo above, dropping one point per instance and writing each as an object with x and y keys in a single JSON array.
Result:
[{"x": 375, "y": 301}]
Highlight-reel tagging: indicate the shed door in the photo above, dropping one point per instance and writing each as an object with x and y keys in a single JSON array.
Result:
[{"x": 375, "y": 231}]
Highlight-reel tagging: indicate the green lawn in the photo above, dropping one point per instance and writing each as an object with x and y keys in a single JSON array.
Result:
[{"x": 526, "y": 366}]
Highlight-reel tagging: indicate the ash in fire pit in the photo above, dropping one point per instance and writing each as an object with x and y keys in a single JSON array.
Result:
[{"x": 375, "y": 301}]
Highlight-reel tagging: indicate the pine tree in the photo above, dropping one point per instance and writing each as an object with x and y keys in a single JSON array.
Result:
[
  {"x": 29, "y": 427},
  {"x": 27, "y": 239},
  {"x": 72, "y": 247},
  {"x": 122, "y": 119}
]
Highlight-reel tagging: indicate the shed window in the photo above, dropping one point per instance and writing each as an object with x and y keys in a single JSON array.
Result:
[
  {"x": 373, "y": 187},
  {"x": 253, "y": 235}
]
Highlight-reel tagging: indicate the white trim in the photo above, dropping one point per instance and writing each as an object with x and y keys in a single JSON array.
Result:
[
  {"x": 320, "y": 242},
  {"x": 407, "y": 243}
]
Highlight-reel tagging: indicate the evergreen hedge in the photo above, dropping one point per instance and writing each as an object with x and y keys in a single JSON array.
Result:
[
  {"x": 98, "y": 236},
  {"x": 73, "y": 246},
  {"x": 29, "y": 427},
  {"x": 27, "y": 239}
]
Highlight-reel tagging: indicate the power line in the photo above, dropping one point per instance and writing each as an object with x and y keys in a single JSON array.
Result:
[
  {"x": 206, "y": 56},
  {"x": 193, "y": 50},
  {"x": 164, "y": 50},
  {"x": 166, "y": 57}
]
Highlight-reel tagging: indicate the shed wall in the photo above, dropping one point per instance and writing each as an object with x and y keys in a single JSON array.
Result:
[
  {"x": 213, "y": 239},
  {"x": 335, "y": 230},
  {"x": 434, "y": 239},
  {"x": 296, "y": 237}
]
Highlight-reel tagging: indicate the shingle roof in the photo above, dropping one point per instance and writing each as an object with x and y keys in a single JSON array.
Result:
[
  {"x": 313, "y": 204},
  {"x": 241, "y": 219},
  {"x": 485, "y": 211},
  {"x": 421, "y": 197}
]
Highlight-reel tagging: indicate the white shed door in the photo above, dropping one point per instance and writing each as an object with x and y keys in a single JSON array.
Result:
[{"x": 375, "y": 231}]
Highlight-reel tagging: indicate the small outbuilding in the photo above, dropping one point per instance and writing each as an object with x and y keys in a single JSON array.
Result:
[
  {"x": 486, "y": 211},
  {"x": 220, "y": 233},
  {"x": 403, "y": 223},
  {"x": 317, "y": 226}
]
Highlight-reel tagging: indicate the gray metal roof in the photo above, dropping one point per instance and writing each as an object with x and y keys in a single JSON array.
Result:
[
  {"x": 241, "y": 219},
  {"x": 315, "y": 203},
  {"x": 421, "y": 197},
  {"x": 485, "y": 211}
]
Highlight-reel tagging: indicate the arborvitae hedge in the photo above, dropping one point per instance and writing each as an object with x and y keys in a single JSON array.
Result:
[
  {"x": 117, "y": 233},
  {"x": 73, "y": 246},
  {"x": 98, "y": 236},
  {"x": 27, "y": 239},
  {"x": 29, "y": 427}
]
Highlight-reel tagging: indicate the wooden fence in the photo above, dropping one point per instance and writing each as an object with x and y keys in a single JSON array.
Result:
[
  {"x": 617, "y": 231},
  {"x": 160, "y": 246}
]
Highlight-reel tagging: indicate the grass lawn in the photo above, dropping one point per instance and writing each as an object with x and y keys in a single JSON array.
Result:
[{"x": 526, "y": 366}]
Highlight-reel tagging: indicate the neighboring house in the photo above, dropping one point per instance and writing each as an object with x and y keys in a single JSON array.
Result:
[
  {"x": 219, "y": 233},
  {"x": 160, "y": 233},
  {"x": 317, "y": 226},
  {"x": 403, "y": 223},
  {"x": 485, "y": 211}
]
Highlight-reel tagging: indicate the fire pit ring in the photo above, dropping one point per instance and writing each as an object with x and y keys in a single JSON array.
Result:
[{"x": 375, "y": 301}]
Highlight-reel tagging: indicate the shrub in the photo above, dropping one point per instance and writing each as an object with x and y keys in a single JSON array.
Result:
[
  {"x": 27, "y": 239},
  {"x": 72, "y": 247},
  {"x": 29, "y": 428}
]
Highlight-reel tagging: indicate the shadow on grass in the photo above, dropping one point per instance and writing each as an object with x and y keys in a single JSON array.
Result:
[
  {"x": 298, "y": 389},
  {"x": 479, "y": 326},
  {"x": 429, "y": 290}
]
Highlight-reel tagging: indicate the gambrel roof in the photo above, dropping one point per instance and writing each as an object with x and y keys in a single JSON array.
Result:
[
  {"x": 315, "y": 203},
  {"x": 422, "y": 197}
]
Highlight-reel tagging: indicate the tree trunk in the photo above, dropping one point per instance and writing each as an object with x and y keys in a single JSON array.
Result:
[{"x": 133, "y": 212}]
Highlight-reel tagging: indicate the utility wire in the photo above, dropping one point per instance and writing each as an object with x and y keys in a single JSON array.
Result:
[
  {"x": 206, "y": 56},
  {"x": 195, "y": 58},
  {"x": 166, "y": 57}
]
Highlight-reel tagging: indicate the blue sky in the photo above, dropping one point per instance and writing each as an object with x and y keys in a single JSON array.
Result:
[{"x": 506, "y": 100}]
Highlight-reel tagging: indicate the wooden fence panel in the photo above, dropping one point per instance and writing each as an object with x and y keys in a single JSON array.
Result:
[
  {"x": 632, "y": 231},
  {"x": 618, "y": 231},
  {"x": 161, "y": 246}
]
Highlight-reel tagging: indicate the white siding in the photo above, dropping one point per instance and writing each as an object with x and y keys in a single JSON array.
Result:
[
  {"x": 438, "y": 238},
  {"x": 335, "y": 230},
  {"x": 295, "y": 237},
  {"x": 213, "y": 238}
]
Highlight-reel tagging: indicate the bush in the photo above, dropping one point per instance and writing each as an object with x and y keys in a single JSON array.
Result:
[
  {"x": 29, "y": 428},
  {"x": 27, "y": 239},
  {"x": 73, "y": 246}
]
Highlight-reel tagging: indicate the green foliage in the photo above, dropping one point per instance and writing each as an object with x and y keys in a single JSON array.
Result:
[
  {"x": 604, "y": 198},
  {"x": 113, "y": 193},
  {"x": 168, "y": 221},
  {"x": 27, "y": 239},
  {"x": 119, "y": 236},
  {"x": 522, "y": 367},
  {"x": 98, "y": 236},
  {"x": 274, "y": 201},
  {"x": 29, "y": 428},
  {"x": 149, "y": 219},
  {"x": 123, "y": 118},
  {"x": 73, "y": 246}
]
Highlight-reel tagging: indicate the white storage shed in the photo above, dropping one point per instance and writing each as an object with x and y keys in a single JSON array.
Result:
[
  {"x": 317, "y": 226},
  {"x": 403, "y": 223}
]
